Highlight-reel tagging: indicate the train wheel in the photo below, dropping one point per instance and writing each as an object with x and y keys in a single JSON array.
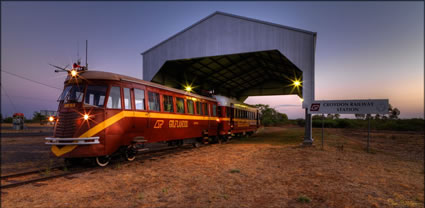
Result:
[
  {"x": 103, "y": 161},
  {"x": 130, "y": 154},
  {"x": 196, "y": 144}
]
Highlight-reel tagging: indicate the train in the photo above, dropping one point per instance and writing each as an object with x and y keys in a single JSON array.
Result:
[{"x": 101, "y": 114}]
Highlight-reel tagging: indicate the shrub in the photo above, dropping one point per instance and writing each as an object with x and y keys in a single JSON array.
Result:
[
  {"x": 343, "y": 123},
  {"x": 300, "y": 122},
  {"x": 303, "y": 199}
]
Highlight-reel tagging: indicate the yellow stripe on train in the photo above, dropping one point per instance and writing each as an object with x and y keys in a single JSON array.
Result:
[{"x": 117, "y": 117}]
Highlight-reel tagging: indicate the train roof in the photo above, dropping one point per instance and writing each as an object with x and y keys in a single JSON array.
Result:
[
  {"x": 100, "y": 75},
  {"x": 226, "y": 101}
]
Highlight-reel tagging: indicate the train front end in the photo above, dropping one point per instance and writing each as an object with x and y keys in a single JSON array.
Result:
[{"x": 77, "y": 133}]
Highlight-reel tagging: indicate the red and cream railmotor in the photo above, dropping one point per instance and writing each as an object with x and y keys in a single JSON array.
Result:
[{"x": 102, "y": 113}]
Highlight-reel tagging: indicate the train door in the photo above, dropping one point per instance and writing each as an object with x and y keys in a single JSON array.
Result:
[
  {"x": 232, "y": 116},
  {"x": 140, "y": 120},
  {"x": 256, "y": 118},
  {"x": 128, "y": 124}
]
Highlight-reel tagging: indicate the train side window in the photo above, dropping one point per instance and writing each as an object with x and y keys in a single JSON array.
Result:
[
  {"x": 205, "y": 109},
  {"x": 127, "y": 99},
  {"x": 168, "y": 103},
  {"x": 198, "y": 108},
  {"x": 180, "y": 105},
  {"x": 214, "y": 110},
  {"x": 139, "y": 99},
  {"x": 190, "y": 106},
  {"x": 95, "y": 95},
  {"x": 154, "y": 101},
  {"x": 114, "y": 99}
]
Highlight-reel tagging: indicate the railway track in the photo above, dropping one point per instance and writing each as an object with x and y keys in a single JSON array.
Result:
[{"x": 19, "y": 179}]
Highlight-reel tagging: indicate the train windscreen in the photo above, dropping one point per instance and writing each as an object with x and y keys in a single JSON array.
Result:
[{"x": 72, "y": 94}]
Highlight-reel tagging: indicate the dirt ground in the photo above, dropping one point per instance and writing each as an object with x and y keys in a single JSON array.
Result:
[{"x": 270, "y": 169}]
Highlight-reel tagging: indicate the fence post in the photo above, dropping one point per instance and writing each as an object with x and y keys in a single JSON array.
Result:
[{"x": 368, "y": 132}]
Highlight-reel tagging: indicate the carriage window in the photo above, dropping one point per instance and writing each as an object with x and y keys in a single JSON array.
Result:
[
  {"x": 180, "y": 105},
  {"x": 205, "y": 109},
  {"x": 189, "y": 106},
  {"x": 198, "y": 108},
  {"x": 127, "y": 98},
  {"x": 228, "y": 112},
  {"x": 168, "y": 103},
  {"x": 114, "y": 99},
  {"x": 214, "y": 110},
  {"x": 95, "y": 95},
  {"x": 139, "y": 99},
  {"x": 153, "y": 101}
]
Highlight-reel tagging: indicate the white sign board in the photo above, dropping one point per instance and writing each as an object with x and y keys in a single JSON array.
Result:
[{"x": 349, "y": 106}]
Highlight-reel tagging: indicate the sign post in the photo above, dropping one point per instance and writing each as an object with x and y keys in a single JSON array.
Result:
[
  {"x": 375, "y": 106},
  {"x": 323, "y": 127}
]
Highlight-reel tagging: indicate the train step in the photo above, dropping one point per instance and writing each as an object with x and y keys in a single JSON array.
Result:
[{"x": 139, "y": 139}]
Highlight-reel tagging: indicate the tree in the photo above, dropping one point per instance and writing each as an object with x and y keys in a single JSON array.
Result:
[
  {"x": 316, "y": 117},
  {"x": 270, "y": 117},
  {"x": 330, "y": 116},
  {"x": 394, "y": 112},
  {"x": 360, "y": 116},
  {"x": 336, "y": 116},
  {"x": 38, "y": 117}
]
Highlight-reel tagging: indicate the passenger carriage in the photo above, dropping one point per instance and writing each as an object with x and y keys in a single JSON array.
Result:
[{"x": 236, "y": 118}]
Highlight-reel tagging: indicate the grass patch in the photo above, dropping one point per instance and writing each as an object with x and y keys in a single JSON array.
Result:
[
  {"x": 235, "y": 171},
  {"x": 304, "y": 199},
  {"x": 140, "y": 196},
  {"x": 275, "y": 137}
]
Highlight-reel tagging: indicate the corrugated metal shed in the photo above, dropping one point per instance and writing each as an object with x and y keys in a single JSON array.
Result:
[{"x": 235, "y": 56}]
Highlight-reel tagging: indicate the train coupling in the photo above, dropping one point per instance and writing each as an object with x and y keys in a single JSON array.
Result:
[{"x": 72, "y": 141}]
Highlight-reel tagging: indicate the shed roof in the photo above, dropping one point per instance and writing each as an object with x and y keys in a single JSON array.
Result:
[{"x": 235, "y": 56}]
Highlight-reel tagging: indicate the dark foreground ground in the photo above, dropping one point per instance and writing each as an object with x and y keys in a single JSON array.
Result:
[{"x": 267, "y": 170}]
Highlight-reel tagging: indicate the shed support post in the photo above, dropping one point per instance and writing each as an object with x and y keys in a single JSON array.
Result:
[{"x": 308, "y": 139}]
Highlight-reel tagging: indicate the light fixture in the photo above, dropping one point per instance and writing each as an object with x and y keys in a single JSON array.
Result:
[
  {"x": 188, "y": 88},
  {"x": 51, "y": 118},
  {"x": 86, "y": 117},
  {"x": 218, "y": 120},
  {"x": 73, "y": 73},
  {"x": 297, "y": 83}
]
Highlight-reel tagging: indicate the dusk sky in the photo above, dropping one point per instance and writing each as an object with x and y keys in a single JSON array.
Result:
[{"x": 365, "y": 50}]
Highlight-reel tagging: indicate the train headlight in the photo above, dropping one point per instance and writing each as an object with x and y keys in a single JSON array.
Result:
[
  {"x": 51, "y": 118},
  {"x": 73, "y": 73},
  {"x": 86, "y": 117}
]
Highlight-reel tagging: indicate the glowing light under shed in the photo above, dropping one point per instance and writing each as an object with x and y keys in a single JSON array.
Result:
[
  {"x": 188, "y": 88},
  {"x": 86, "y": 117}
]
